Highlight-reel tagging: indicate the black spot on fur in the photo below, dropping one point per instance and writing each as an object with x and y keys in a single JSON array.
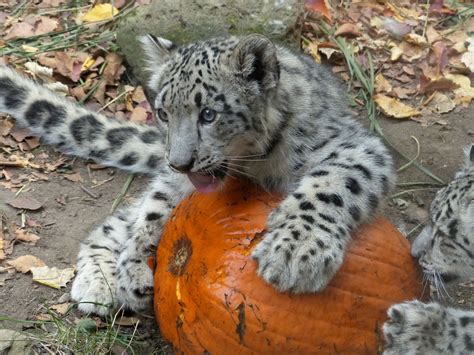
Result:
[
  {"x": 327, "y": 218},
  {"x": 363, "y": 170},
  {"x": 465, "y": 321},
  {"x": 373, "y": 201},
  {"x": 197, "y": 99},
  {"x": 453, "y": 228},
  {"x": 129, "y": 159},
  {"x": 353, "y": 185},
  {"x": 13, "y": 95},
  {"x": 45, "y": 113},
  {"x": 330, "y": 198},
  {"x": 220, "y": 97},
  {"x": 160, "y": 196},
  {"x": 324, "y": 228},
  {"x": 118, "y": 136},
  {"x": 320, "y": 173},
  {"x": 86, "y": 128},
  {"x": 306, "y": 205},
  {"x": 153, "y": 161},
  {"x": 355, "y": 213},
  {"x": 153, "y": 216},
  {"x": 149, "y": 137},
  {"x": 106, "y": 229},
  {"x": 296, "y": 235},
  {"x": 307, "y": 218}
]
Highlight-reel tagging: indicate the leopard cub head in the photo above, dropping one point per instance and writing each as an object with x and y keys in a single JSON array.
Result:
[
  {"x": 445, "y": 247},
  {"x": 211, "y": 98}
]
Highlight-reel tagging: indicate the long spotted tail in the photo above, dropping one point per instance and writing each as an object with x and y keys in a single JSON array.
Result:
[{"x": 78, "y": 131}]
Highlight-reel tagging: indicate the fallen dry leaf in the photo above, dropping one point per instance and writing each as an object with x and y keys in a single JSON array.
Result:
[
  {"x": 440, "y": 103},
  {"x": 25, "y": 203},
  {"x": 25, "y": 236},
  {"x": 52, "y": 277},
  {"x": 347, "y": 30},
  {"x": 428, "y": 86},
  {"x": 394, "y": 108},
  {"x": 61, "y": 308},
  {"x": 139, "y": 115},
  {"x": 413, "y": 38},
  {"x": 76, "y": 177},
  {"x": 100, "y": 12},
  {"x": 25, "y": 263},
  {"x": 395, "y": 28},
  {"x": 468, "y": 57},
  {"x": 320, "y": 6},
  {"x": 465, "y": 93},
  {"x": 382, "y": 84}
]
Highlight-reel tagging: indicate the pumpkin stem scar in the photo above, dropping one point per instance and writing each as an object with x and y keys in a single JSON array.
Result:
[
  {"x": 240, "y": 329},
  {"x": 182, "y": 251}
]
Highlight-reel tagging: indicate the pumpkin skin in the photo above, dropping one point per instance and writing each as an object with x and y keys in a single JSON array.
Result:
[{"x": 209, "y": 298}]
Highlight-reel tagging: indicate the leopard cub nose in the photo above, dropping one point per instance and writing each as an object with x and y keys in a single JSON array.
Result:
[{"x": 182, "y": 167}]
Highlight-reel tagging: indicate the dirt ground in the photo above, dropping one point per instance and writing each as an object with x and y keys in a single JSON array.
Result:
[{"x": 66, "y": 225}]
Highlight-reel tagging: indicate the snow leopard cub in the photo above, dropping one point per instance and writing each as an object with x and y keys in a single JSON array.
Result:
[
  {"x": 445, "y": 249},
  {"x": 226, "y": 107}
]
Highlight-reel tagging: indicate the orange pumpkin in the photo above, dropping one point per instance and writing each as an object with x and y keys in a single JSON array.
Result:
[{"x": 208, "y": 297}]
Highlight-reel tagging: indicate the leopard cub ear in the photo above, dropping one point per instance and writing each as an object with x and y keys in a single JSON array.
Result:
[
  {"x": 157, "y": 50},
  {"x": 255, "y": 60}
]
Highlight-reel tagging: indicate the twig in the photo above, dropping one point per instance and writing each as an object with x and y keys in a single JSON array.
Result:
[
  {"x": 122, "y": 192},
  {"x": 89, "y": 192}
]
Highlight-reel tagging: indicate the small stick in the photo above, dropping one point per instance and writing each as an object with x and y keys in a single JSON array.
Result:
[{"x": 89, "y": 192}]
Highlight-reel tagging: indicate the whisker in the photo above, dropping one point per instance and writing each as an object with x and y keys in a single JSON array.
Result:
[
  {"x": 240, "y": 172},
  {"x": 237, "y": 165},
  {"x": 245, "y": 156},
  {"x": 239, "y": 159}
]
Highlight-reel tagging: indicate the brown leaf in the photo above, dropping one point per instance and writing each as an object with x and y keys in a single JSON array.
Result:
[
  {"x": 403, "y": 93},
  {"x": 319, "y": 6},
  {"x": 25, "y": 236},
  {"x": 76, "y": 177},
  {"x": 25, "y": 263},
  {"x": 138, "y": 115},
  {"x": 61, "y": 308},
  {"x": 348, "y": 30},
  {"x": 25, "y": 203},
  {"x": 45, "y": 25},
  {"x": 33, "y": 142},
  {"x": 114, "y": 68},
  {"x": 440, "y": 103},
  {"x": 5, "y": 126},
  {"x": 19, "y": 134},
  {"x": 428, "y": 86},
  {"x": 20, "y": 30}
]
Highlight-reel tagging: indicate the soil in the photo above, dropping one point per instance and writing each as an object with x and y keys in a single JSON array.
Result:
[{"x": 65, "y": 225}]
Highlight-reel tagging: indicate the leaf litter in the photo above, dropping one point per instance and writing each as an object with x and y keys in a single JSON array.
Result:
[{"x": 421, "y": 52}]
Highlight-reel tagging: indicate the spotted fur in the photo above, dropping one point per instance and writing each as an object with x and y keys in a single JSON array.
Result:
[
  {"x": 226, "y": 107},
  {"x": 445, "y": 249}
]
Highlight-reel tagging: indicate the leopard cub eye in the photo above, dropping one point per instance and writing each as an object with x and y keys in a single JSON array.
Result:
[
  {"x": 162, "y": 115},
  {"x": 207, "y": 115}
]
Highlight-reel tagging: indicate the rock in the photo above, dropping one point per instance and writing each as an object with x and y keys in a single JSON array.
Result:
[
  {"x": 13, "y": 342},
  {"x": 184, "y": 21}
]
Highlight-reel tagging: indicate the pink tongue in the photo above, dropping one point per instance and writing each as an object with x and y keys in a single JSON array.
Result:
[{"x": 203, "y": 182}]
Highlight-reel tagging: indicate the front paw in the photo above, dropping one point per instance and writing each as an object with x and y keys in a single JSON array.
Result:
[
  {"x": 296, "y": 255},
  {"x": 135, "y": 284},
  {"x": 93, "y": 292},
  {"x": 415, "y": 328}
]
